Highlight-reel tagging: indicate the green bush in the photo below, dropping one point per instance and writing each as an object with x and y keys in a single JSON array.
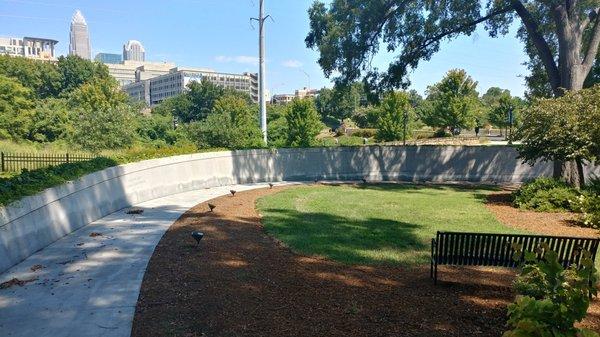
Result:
[
  {"x": 551, "y": 299},
  {"x": 588, "y": 204},
  {"x": 545, "y": 195}
]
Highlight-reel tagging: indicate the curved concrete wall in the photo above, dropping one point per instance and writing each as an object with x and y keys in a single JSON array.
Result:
[{"x": 32, "y": 223}]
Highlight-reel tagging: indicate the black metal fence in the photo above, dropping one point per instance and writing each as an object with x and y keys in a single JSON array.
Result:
[{"x": 14, "y": 162}]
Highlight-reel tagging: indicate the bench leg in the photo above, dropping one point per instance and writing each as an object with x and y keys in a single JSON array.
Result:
[{"x": 435, "y": 274}]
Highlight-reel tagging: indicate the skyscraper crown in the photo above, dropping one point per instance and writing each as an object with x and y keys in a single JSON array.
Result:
[{"x": 78, "y": 18}]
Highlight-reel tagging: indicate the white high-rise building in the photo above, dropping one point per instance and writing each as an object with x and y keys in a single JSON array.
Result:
[
  {"x": 134, "y": 51},
  {"x": 79, "y": 43}
]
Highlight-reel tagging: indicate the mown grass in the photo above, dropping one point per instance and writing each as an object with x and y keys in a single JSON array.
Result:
[{"x": 374, "y": 224}]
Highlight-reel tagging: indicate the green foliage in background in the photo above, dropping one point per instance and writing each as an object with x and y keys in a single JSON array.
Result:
[
  {"x": 563, "y": 129},
  {"x": 232, "y": 124},
  {"x": 551, "y": 299},
  {"x": 303, "y": 123},
  {"x": 453, "y": 102},
  {"x": 394, "y": 112}
]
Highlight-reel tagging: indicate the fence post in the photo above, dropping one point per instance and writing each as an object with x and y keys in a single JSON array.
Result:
[
  {"x": 67, "y": 157},
  {"x": 2, "y": 155}
]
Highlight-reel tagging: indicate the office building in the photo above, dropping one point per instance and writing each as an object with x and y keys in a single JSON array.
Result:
[
  {"x": 134, "y": 51},
  {"x": 156, "y": 89},
  {"x": 128, "y": 72},
  {"x": 108, "y": 58},
  {"x": 282, "y": 98},
  {"x": 79, "y": 43},
  {"x": 299, "y": 94},
  {"x": 30, "y": 47}
]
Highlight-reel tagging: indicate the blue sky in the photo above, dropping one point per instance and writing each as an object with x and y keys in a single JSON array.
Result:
[{"x": 218, "y": 34}]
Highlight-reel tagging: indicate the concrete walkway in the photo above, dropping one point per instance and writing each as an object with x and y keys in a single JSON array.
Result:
[{"x": 89, "y": 285}]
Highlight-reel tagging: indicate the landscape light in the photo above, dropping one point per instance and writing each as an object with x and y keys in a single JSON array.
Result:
[{"x": 197, "y": 236}]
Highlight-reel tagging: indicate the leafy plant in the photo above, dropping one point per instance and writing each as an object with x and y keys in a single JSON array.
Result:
[
  {"x": 551, "y": 299},
  {"x": 588, "y": 204},
  {"x": 545, "y": 195}
]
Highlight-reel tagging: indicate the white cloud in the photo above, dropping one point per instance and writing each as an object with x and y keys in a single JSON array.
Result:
[
  {"x": 242, "y": 59},
  {"x": 292, "y": 64}
]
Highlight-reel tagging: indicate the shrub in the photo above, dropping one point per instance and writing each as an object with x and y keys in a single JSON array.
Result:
[
  {"x": 551, "y": 299},
  {"x": 588, "y": 204},
  {"x": 545, "y": 195}
]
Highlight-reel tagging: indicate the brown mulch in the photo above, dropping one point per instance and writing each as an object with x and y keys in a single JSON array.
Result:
[
  {"x": 539, "y": 222},
  {"x": 241, "y": 282}
]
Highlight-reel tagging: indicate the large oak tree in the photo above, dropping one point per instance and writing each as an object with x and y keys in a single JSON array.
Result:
[{"x": 561, "y": 35}]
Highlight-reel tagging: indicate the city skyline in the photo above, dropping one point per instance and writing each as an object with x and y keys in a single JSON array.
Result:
[{"x": 219, "y": 35}]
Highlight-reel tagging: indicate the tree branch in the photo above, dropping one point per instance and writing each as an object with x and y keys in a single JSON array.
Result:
[
  {"x": 540, "y": 44},
  {"x": 389, "y": 12},
  {"x": 592, "y": 51},
  {"x": 442, "y": 35}
]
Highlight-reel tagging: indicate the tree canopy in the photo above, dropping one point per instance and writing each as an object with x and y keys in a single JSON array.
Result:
[
  {"x": 453, "y": 102},
  {"x": 563, "y": 129},
  {"x": 562, "y": 35},
  {"x": 394, "y": 112}
]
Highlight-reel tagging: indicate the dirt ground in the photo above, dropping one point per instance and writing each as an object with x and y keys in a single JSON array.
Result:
[{"x": 241, "y": 282}]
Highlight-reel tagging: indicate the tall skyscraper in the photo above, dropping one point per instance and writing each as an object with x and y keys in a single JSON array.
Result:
[
  {"x": 134, "y": 51},
  {"x": 79, "y": 43}
]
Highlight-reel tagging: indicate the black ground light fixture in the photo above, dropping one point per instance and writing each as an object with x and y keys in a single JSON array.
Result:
[
  {"x": 197, "y": 236},
  {"x": 211, "y": 207},
  {"x": 232, "y": 192},
  {"x": 271, "y": 185}
]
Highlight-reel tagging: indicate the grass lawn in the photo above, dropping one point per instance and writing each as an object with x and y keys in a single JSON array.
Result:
[{"x": 374, "y": 224}]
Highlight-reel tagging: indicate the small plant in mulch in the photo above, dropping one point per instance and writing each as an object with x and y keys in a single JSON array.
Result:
[
  {"x": 95, "y": 234},
  {"x": 16, "y": 282},
  {"x": 551, "y": 299}
]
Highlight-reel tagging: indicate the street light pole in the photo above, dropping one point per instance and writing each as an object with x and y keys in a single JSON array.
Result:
[{"x": 262, "y": 71}]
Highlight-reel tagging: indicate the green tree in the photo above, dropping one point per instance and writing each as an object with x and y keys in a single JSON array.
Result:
[
  {"x": 564, "y": 129},
  {"x": 50, "y": 120},
  {"x": 277, "y": 125},
  {"x": 75, "y": 71},
  {"x": 41, "y": 77},
  {"x": 102, "y": 117},
  {"x": 303, "y": 123},
  {"x": 453, "y": 102},
  {"x": 15, "y": 109},
  {"x": 349, "y": 33},
  {"x": 500, "y": 112},
  {"x": 232, "y": 124},
  {"x": 395, "y": 117},
  {"x": 341, "y": 102}
]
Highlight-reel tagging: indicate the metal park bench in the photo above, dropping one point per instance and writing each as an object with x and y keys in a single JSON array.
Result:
[{"x": 486, "y": 249}]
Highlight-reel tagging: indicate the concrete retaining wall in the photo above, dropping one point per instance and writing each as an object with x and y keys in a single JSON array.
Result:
[{"x": 32, "y": 223}]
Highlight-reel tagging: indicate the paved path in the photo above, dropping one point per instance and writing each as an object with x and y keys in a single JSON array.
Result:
[{"x": 89, "y": 285}]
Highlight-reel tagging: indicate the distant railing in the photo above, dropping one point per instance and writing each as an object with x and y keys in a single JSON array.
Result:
[{"x": 14, "y": 162}]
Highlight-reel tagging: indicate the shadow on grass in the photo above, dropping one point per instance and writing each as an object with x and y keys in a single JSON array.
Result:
[{"x": 351, "y": 241}]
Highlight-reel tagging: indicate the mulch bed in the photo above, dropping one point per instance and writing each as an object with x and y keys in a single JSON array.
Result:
[{"x": 241, "y": 282}]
